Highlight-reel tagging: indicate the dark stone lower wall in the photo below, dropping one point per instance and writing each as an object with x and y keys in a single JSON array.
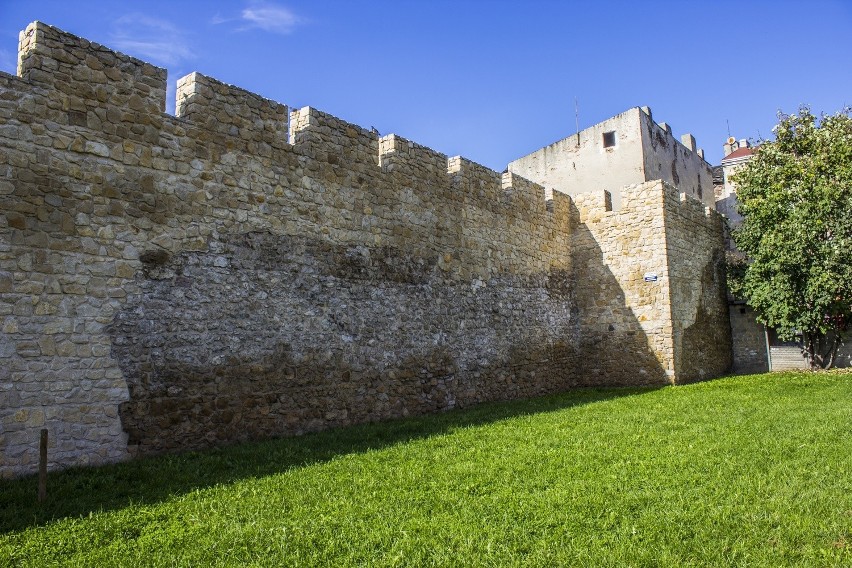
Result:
[
  {"x": 619, "y": 357},
  {"x": 706, "y": 343},
  {"x": 749, "y": 341},
  {"x": 272, "y": 335}
]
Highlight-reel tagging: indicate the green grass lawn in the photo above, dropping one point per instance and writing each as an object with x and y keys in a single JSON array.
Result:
[{"x": 743, "y": 471}]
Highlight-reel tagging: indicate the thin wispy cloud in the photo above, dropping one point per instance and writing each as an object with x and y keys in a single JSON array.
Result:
[
  {"x": 266, "y": 16},
  {"x": 151, "y": 39},
  {"x": 220, "y": 19},
  {"x": 271, "y": 18}
]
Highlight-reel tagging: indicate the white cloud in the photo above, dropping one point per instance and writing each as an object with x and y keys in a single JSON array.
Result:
[
  {"x": 219, "y": 19},
  {"x": 262, "y": 15},
  {"x": 270, "y": 17},
  {"x": 157, "y": 41}
]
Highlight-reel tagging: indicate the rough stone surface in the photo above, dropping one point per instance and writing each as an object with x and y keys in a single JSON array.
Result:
[
  {"x": 242, "y": 270},
  {"x": 651, "y": 286},
  {"x": 749, "y": 347}
]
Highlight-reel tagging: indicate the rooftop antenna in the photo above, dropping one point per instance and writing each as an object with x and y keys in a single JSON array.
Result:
[
  {"x": 729, "y": 127},
  {"x": 577, "y": 119}
]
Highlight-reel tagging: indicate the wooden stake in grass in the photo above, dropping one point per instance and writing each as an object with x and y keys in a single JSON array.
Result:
[{"x": 42, "y": 467}]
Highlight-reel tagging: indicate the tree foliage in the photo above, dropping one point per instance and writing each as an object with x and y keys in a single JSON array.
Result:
[{"x": 795, "y": 195}]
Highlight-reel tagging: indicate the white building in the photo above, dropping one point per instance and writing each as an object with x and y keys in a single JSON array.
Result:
[
  {"x": 623, "y": 150},
  {"x": 737, "y": 153}
]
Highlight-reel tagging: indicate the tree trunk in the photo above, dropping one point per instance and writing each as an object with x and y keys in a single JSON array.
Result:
[{"x": 820, "y": 349}]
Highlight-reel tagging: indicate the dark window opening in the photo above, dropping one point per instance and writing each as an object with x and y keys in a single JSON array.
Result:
[
  {"x": 700, "y": 192},
  {"x": 609, "y": 139}
]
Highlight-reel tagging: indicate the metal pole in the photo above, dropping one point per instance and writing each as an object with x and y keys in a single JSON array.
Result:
[
  {"x": 577, "y": 119},
  {"x": 768, "y": 348},
  {"x": 42, "y": 467}
]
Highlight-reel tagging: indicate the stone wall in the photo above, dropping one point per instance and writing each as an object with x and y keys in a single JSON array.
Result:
[
  {"x": 77, "y": 130},
  {"x": 696, "y": 259},
  {"x": 651, "y": 286},
  {"x": 172, "y": 282},
  {"x": 750, "y": 346},
  {"x": 619, "y": 312},
  {"x": 244, "y": 270},
  {"x": 749, "y": 341}
]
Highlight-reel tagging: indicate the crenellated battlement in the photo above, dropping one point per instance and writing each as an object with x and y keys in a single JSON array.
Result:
[
  {"x": 327, "y": 138},
  {"x": 655, "y": 203},
  {"x": 475, "y": 180},
  {"x": 403, "y": 159},
  {"x": 244, "y": 269},
  {"x": 257, "y": 124},
  {"x": 528, "y": 195},
  {"x": 592, "y": 206},
  {"x": 694, "y": 207},
  {"x": 662, "y": 195},
  {"x": 88, "y": 74},
  {"x": 93, "y": 80}
]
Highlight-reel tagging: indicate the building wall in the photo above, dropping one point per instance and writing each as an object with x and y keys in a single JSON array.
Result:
[
  {"x": 242, "y": 270},
  {"x": 726, "y": 200},
  {"x": 643, "y": 151},
  {"x": 668, "y": 159},
  {"x": 656, "y": 292},
  {"x": 174, "y": 282},
  {"x": 750, "y": 346},
  {"x": 575, "y": 168},
  {"x": 749, "y": 341}
]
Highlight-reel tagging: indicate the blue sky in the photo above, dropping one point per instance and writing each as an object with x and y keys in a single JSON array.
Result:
[{"x": 491, "y": 81}]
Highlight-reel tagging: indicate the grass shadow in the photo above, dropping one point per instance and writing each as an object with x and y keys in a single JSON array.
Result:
[{"x": 79, "y": 491}]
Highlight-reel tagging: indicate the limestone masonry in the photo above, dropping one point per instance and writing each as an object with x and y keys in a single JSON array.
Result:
[{"x": 244, "y": 270}]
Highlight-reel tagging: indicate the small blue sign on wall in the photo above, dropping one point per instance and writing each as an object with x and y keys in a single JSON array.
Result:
[{"x": 650, "y": 277}]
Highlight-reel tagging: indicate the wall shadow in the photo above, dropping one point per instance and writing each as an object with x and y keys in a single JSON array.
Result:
[
  {"x": 77, "y": 492},
  {"x": 616, "y": 348},
  {"x": 299, "y": 334}
]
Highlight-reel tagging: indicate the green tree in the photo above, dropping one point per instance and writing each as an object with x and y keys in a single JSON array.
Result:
[{"x": 795, "y": 195}]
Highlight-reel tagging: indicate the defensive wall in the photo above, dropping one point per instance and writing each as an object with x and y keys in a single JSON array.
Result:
[{"x": 244, "y": 270}]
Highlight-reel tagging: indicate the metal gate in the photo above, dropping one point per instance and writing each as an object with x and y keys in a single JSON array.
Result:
[{"x": 785, "y": 355}]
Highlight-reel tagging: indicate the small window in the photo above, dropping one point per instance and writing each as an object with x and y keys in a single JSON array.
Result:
[{"x": 609, "y": 139}]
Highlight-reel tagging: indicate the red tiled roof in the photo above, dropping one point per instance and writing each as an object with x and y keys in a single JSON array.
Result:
[{"x": 738, "y": 153}]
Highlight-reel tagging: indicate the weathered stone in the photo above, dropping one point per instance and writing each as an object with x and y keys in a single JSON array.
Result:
[{"x": 243, "y": 270}]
